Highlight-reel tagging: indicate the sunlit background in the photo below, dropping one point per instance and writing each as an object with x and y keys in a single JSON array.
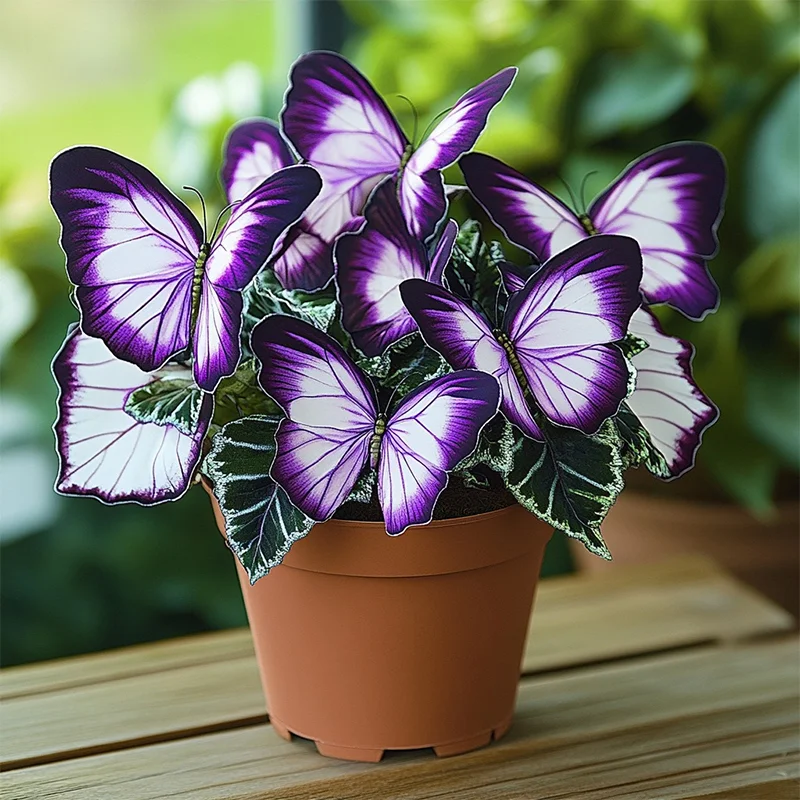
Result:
[{"x": 601, "y": 81}]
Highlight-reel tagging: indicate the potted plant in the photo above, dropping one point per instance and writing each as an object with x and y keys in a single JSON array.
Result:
[{"x": 338, "y": 361}]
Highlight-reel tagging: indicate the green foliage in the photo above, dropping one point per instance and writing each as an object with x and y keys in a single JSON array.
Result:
[
  {"x": 261, "y": 522},
  {"x": 636, "y": 446},
  {"x": 265, "y": 296},
  {"x": 570, "y": 480},
  {"x": 404, "y": 365},
  {"x": 473, "y": 272},
  {"x": 169, "y": 401}
]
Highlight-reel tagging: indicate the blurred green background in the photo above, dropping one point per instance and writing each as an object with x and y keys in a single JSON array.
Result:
[{"x": 601, "y": 81}]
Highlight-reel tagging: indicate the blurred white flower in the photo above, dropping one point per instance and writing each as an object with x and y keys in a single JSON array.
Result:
[
  {"x": 242, "y": 87},
  {"x": 201, "y": 102}
]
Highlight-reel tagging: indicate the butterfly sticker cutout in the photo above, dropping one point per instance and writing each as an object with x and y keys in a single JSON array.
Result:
[
  {"x": 334, "y": 427},
  {"x": 372, "y": 262},
  {"x": 338, "y": 123},
  {"x": 149, "y": 284},
  {"x": 104, "y": 451},
  {"x": 667, "y": 400},
  {"x": 254, "y": 151},
  {"x": 670, "y": 200},
  {"x": 554, "y": 348}
]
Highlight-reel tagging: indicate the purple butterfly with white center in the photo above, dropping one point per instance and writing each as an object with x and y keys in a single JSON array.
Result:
[
  {"x": 255, "y": 150},
  {"x": 670, "y": 200},
  {"x": 104, "y": 451},
  {"x": 338, "y": 123},
  {"x": 667, "y": 401},
  {"x": 554, "y": 349},
  {"x": 148, "y": 283},
  {"x": 669, "y": 404},
  {"x": 334, "y": 427},
  {"x": 372, "y": 263}
]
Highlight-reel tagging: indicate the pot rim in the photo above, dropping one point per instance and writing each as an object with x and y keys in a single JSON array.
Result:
[{"x": 458, "y": 544}]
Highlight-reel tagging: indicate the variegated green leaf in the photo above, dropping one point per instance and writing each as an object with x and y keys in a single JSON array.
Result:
[
  {"x": 265, "y": 296},
  {"x": 405, "y": 365},
  {"x": 241, "y": 396},
  {"x": 636, "y": 446},
  {"x": 569, "y": 481},
  {"x": 473, "y": 272},
  {"x": 168, "y": 401},
  {"x": 260, "y": 520}
]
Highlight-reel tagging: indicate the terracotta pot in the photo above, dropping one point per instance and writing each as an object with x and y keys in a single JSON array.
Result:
[
  {"x": 368, "y": 642},
  {"x": 641, "y": 528}
]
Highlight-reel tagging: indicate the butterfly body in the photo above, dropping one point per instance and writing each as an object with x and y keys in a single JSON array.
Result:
[
  {"x": 513, "y": 359},
  {"x": 197, "y": 280},
  {"x": 588, "y": 225},
  {"x": 375, "y": 441}
]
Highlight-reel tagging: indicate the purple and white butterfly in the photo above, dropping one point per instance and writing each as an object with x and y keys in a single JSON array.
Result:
[
  {"x": 338, "y": 123},
  {"x": 254, "y": 151},
  {"x": 667, "y": 401},
  {"x": 554, "y": 348},
  {"x": 372, "y": 263},
  {"x": 148, "y": 283},
  {"x": 670, "y": 200},
  {"x": 334, "y": 427},
  {"x": 104, "y": 451}
]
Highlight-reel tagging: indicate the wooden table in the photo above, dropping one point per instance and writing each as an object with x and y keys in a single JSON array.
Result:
[{"x": 671, "y": 681}]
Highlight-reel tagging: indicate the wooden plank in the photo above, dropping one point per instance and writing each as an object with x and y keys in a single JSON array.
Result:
[
  {"x": 670, "y": 726},
  {"x": 577, "y": 621},
  {"x": 644, "y": 609},
  {"x": 126, "y": 662}
]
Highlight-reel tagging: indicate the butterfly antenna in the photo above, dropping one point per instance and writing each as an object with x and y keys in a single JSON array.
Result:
[
  {"x": 203, "y": 204},
  {"x": 219, "y": 217},
  {"x": 583, "y": 187},
  {"x": 575, "y": 205},
  {"x": 433, "y": 122},
  {"x": 416, "y": 118}
]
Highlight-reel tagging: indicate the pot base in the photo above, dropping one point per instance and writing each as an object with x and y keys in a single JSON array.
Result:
[{"x": 373, "y": 755}]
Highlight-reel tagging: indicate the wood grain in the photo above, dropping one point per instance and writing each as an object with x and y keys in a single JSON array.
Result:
[
  {"x": 691, "y": 724},
  {"x": 126, "y": 662},
  {"x": 160, "y": 693}
]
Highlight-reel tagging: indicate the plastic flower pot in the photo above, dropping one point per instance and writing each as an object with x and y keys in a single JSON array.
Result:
[{"x": 367, "y": 642}]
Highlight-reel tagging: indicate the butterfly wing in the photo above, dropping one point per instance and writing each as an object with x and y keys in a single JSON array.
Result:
[
  {"x": 443, "y": 251},
  {"x": 528, "y": 215},
  {"x": 422, "y": 195},
  {"x": 435, "y": 428},
  {"x": 338, "y": 123},
  {"x": 561, "y": 324},
  {"x": 452, "y": 328},
  {"x": 253, "y": 151},
  {"x": 245, "y": 243},
  {"x": 370, "y": 266},
  {"x": 131, "y": 246},
  {"x": 670, "y": 201},
  {"x": 103, "y": 451},
  {"x": 667, "y": 401},
  {"x": 323, "y": 444}
]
